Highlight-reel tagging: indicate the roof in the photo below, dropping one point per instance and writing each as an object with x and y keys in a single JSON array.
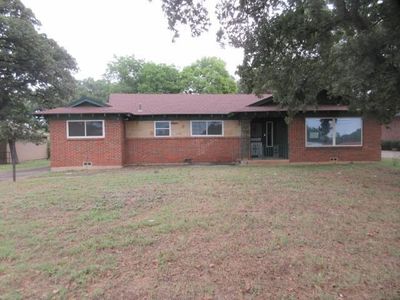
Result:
[
  {"x": 182, "y": 104},
  {"x": 179, "y": 104}
]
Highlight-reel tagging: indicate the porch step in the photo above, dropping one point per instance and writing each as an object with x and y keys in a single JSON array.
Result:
[{"x": 264, "y": 162}]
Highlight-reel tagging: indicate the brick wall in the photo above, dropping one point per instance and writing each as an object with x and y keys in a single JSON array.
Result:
[
  {"x": 108, "y": 151},
  {"x": 391, "y": 132},
  {"x": 177, "y": 150},
  {"x": 370, "y": 151}
]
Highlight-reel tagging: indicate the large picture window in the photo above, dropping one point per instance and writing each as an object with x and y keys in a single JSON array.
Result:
[
  {"x": 85, "y": 129},
  {"x": 207, "y": 128},
  {"x": 330, "y": 132},
  {"x": 162, "y": 128}
]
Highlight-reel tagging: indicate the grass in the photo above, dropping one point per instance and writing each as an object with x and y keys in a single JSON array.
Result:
[
  {"x": 287, "y": 232},
  {"x": 27, "y": 165}
]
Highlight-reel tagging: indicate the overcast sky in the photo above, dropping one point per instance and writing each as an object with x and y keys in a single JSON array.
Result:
[{"x": 92, "y": 31}]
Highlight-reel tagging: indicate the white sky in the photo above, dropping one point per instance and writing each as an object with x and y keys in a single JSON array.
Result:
[{"x": 92, "y": 31}]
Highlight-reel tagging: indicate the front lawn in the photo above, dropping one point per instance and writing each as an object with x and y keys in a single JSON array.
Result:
[
  {"x": 232, "y": 232},
  {"x": 27, "y": 165}
]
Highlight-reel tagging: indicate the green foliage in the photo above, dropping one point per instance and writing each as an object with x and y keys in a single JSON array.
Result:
[
  {"x": 126, "y": 74},
  {"x": 35, "y": 72},
  {"x": 123, "y": 72},
  {"x": 159, "y": 78},
  {"x": 208, "y": 75},
  {"x": 346, "y": 49},
  {"x": 89, "y": 87}
]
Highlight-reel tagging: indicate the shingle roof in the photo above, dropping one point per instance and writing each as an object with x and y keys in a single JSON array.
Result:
[{"x": 180, "y": 104}]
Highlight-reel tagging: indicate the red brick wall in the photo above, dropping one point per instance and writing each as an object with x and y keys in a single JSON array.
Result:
[
  {"x": 107, "y": 151},
  {"x": 370, "y": 151},
  {"x": 392, "y": 133},
  {"x": 177, "y": 150}
]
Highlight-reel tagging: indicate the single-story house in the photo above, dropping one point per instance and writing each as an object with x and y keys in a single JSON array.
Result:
[
  {"x": 391, "y": 131},
  {"x": 189, "y": 128}
]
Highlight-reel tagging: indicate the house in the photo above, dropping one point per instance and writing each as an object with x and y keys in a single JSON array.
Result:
[
  {"x": 189, "y": 128},
  {"x": 391, "y": 132},
  {"x": 25, "y": 151}
]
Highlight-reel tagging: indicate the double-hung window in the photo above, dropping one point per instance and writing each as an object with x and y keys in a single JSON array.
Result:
[
  {"x": 207, "y": 128},
  {"x": 162, "y": 128},
  {"x": 85, "y": 129},
  {"x": 332, "y": 132}
]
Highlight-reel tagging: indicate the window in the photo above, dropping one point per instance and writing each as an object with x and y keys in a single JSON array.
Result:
[
  {"x": 328, "y": 132},
  {"x": 85, "y": 129},
  {"x": 162, "y": 128},
  {"x": 207, "y": 128}
]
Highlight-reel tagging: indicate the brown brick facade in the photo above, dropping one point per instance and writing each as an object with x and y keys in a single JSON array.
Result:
[
  {"x": 369, "y": 151},
  {"x": 179, "y": 150},
  {"x": 102, "y": 152},
  {"x": 391, "y": 132}
]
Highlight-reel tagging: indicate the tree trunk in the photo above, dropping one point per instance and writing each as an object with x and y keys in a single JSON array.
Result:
[{"x": 14, "y": 157}]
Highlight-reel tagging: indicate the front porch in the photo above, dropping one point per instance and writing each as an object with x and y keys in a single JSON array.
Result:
[{"x": 265, "y": 138}]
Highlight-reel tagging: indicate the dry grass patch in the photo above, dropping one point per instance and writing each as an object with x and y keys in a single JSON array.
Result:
[{"x": 288, "y": 232}]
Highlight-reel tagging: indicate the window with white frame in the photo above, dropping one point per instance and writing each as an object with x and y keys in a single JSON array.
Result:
[
  {"x": 331, "y": 132},
  {"x": 207, "y": 128},
  {"x": 162, "y": 128},
  {"x": 85, "y": 129}
]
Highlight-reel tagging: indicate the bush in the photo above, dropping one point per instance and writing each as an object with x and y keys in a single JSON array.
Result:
[{"x": 390, "y": 145}]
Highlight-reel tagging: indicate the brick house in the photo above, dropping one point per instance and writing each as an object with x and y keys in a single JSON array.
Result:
[{"x": 187, "y": 128}]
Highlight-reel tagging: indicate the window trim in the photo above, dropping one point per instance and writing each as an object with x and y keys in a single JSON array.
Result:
[
  {"x": 86, "y": 136},
  {"x": 334, "y": 132},
  {"x": 155, "y": 129},
  {"x": 207, "y": 135}
]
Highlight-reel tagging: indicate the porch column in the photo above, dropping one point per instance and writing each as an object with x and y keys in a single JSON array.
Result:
[{"x": 245, "y": 138}]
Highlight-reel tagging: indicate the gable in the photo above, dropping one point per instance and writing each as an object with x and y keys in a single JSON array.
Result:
[{"x": 85, "y": 101}]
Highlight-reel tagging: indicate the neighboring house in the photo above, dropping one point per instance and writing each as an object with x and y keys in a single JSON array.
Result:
[
  {"x": 158, "y": 129},
  {"x": 391, "y": 131},
  {"x": 25, "y": 151}
]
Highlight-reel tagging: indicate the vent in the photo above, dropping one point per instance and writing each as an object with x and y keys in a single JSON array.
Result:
[
  {"x": 334, "y": 159},
  {"x": 87, "y": 163}
]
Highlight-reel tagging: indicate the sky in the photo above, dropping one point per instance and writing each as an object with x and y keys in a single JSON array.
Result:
[{"x": 93, "y": 31}]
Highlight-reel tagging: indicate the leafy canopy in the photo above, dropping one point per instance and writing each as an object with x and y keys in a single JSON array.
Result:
[
  {"x": 310, "y": 51},
  {"x": 127, "y": 74},
  {"x": 208, "y": 75},
  {"x": 34, "y": 72}
]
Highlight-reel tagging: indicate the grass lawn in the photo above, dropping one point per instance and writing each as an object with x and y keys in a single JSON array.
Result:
[
  {"x": 27, "y": 165},
  {"x": 232, "y": 232}
]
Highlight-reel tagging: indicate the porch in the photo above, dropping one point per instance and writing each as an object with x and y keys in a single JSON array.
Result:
[{"x": 268, "y": 139}]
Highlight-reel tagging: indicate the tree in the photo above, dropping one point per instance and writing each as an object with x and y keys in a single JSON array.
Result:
[
  {"x": 35, "y": 73},
  {"x": 97, "y": 89},
  {"x": 347, "y": 50},
  {"x": 123, "y": 74},
  {"x": 208, "y": 75},
  {"x": 159, "y": 78}
]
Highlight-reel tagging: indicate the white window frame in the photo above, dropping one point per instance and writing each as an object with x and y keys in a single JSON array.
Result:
[
  {"x": 155, "y": 129},
  {"x": 85, "y": 136},
  {"x": 206, "y": 135},
  {"x": 334, "y": 132}
]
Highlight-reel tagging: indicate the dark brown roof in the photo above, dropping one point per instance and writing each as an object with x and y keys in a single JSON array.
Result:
[{"x": 180, "y": 104}]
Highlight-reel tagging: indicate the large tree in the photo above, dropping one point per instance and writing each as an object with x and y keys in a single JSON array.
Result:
[
  {"x": 307, "y": 51},
  {"x": 89, "y": 87},
  {"x": 208, "y": 75},
  {"x": 35, "y": 73}
]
